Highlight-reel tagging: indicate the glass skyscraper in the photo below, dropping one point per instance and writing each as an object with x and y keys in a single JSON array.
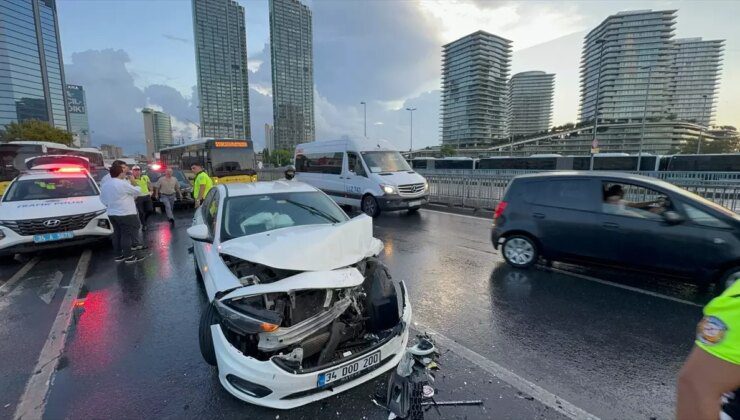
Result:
[
  {"x": 530, "y": 102},
  {"x": 221, "y": 61},
  {"x": 291, "y": 53},
  {"x": 78, "y": 122},
  {"x": 32, "y": 84},
  {"x": 157, "y": 131},
  {"x": 475, "y": 69}
]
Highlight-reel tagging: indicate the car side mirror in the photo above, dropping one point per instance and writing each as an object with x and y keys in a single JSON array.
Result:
[
  {"x": 199, "y": 233},
  {"x": 672, "y": 218}
]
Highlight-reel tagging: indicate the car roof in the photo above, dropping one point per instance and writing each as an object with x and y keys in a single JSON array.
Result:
[
  {"x": 266, "y": 187},
  {"x": 40, "y": 174},
  {"x": 621, "y": 176}
]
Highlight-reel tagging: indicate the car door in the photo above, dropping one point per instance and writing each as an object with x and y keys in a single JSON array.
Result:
[
  {"x": 204, "y": 251},
  {"x": 562, "y": 210},
  {"x": 356, "y": 181}
]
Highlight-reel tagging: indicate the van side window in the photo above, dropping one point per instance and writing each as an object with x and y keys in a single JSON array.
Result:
[
  {"x": 575, "y": 194},
  {"x": 320, "y": 163},
  {"x": 634, "y": 201},
  {"x": 355, "y": 164},
  {"x": 703, "y": 218}
]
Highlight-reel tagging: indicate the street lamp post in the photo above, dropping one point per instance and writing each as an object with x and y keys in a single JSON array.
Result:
[
  {"x": 411, "y": 128},
  {"x": 644, "y": 114},
  {"x": 599, "y": 42},
  {"x": 364, "y": 109},
  {"x": 701, "y": 128}
]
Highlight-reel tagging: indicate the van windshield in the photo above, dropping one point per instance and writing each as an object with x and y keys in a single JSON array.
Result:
[{"x": 388, "y": 161}]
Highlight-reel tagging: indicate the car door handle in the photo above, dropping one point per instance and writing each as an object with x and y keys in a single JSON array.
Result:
[
  {"x": 610, "y": 225},
  {"x": 538, "y": 215}
]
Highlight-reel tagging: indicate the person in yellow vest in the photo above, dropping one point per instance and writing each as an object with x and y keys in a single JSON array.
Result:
[
  {"x": 201, "y": 184},
  {"x": 709, "y": 382},
  {"x": 144, "y": 204}
]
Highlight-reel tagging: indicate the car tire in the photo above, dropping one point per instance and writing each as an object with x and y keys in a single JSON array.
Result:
[
  {"x": 413, "y": 210},
  {"x": 520, "y": 251},
  {"x": 370, "y": 206},
  {"x": 205, "y": 339},
  {"x": 727, "y": 279}
]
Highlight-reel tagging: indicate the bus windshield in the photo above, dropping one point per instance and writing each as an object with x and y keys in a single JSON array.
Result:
[
  {"x": 387, "y": 161},
  {"x": 229, "y": 160}
]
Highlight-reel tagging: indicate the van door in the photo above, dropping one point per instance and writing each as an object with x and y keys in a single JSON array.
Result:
[{"x": 356, "y": 181}]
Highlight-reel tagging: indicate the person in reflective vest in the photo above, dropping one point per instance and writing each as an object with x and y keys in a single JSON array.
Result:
[{"x": 201, "y": 185}]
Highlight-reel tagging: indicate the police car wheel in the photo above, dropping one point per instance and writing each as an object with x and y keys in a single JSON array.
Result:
[
  {"x": 205, "y": 339},
  {"x": 728, "y": 279},
  {"x": 519, "y": 251}
]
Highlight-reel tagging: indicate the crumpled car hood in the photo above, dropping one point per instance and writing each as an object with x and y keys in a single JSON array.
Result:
[{"x": 308, "y": 248}]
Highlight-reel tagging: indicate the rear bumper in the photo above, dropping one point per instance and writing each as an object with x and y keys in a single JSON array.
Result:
[
  {"x": 397, "y": 202},
  {"x": 496, "y": 237}
]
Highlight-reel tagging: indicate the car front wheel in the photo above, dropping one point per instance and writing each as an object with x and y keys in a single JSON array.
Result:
[
  {"x": 728, "y": 279},
  {"x": 209, "y": 317},
  {"x": 520, "y": 251}
]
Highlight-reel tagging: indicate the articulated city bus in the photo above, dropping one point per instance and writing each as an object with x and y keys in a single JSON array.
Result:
[
  {"x": 225, "y": 160},
  {"x": 13, "y": 156},
  {"x": 443, "y": 163}
]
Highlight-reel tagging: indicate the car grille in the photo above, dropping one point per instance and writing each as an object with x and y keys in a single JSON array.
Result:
[
  {"x": 36, "y": 226},
  {"x": 411, "y": 189}
]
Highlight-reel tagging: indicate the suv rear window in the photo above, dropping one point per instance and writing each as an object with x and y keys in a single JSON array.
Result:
[
  {"x": 50, "y": 188},
  {"x": 575, "y": 194}
]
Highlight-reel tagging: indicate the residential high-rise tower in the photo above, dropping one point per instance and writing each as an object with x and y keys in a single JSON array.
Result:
[
  {"x": 221, "y": 61},
  {"x": 475, "y": 69},
  {"x": 697, "y": 65},
  {"x": 157, "y": 131},
  {"x": 291, "y": 54},
  {"x": 530, "y": 102}
]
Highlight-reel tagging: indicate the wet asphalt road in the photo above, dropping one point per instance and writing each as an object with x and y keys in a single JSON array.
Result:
[{"x": 133, "y": 351}]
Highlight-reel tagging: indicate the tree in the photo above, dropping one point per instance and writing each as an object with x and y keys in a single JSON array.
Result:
[
  {"x": 447, "y": 150},
  {"x": 35, "y": 130},
  {"x": 729, "y": 144},
  {"x": 265, "y": 155},
  {"x": 281, "y": 157}
]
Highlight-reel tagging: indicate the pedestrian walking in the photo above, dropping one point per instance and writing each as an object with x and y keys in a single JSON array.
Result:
[
  {"x": 119, "y": 196},
  {"x": 167, "y": 189},
  {"x": 201, "y": 185},
  {"x": 144, "y": 204},
  {"x": 709, "y": 382}
]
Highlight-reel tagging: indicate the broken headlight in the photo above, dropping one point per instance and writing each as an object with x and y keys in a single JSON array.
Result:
[{"x": 247, "y": 319}]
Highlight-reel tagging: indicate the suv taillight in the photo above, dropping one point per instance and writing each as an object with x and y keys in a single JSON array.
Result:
[{"x": 500, "y": 209}]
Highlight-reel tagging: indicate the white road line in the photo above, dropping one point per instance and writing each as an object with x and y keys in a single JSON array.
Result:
[
  {"x": 537, "y": 392},
  {"x": 33, "y": 401},
  {"x": 623, "y": 286},
  {"x": 8, "y": 285},
  {"x": 455, "y": 214}
]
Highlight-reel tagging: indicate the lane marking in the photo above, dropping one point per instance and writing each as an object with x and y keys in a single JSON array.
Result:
[
  {"x": 48, "y": 289},
  {"x": 33, "y": 402},
  {"x": 623, "y": 286},
  {"x": 8, "y": 285},
  {"x": 537, "y": 392},
  {"x": 454, "y": 214}
]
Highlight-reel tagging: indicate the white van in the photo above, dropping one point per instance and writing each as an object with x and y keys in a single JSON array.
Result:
[{"x": 371, "y": 175}]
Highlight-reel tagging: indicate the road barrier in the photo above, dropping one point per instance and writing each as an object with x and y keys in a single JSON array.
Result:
[{"x": 484, "y": 188}]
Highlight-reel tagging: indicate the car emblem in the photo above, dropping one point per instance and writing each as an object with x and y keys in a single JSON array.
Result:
[{"x": 52, "y": 222}]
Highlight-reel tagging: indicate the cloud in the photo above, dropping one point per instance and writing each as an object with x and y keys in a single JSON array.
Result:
[{"x": 176, "y": 38}]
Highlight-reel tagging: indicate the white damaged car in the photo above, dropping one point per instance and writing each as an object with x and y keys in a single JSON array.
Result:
[{"x": 300, "y": 308}]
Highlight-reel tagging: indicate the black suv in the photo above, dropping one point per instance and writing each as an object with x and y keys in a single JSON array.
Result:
[{"x": 617, "y": 219}]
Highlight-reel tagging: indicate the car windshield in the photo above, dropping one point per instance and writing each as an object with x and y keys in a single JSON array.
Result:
[
  {"x": 247, "y": 215},
  {"x": 388, "y": 161},
  {"x": 50, "y": 188}
]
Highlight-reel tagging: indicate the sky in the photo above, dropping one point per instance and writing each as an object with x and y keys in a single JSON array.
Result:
[{"x": 128, "y": 54}]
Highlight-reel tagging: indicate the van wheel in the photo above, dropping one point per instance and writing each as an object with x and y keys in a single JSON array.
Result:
[
  {"x": 520, "y": 251},
  {"x": 370, "y": 206},
  {"x": 205, "y": 339},
  {"x": 728, "y": 279}
]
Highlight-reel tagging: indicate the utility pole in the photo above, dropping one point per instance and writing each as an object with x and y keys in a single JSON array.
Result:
[
  {"x": 411, "y": 128},
  {"x": 644, "y": 114},
  {"x": 599, "y": 42},
  {"x": 364, "y": 108},
  {"x": 701, "y": 129}
]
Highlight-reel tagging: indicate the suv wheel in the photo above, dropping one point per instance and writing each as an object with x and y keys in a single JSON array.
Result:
[
  {"x": 370, "y": 206},
  {"x": 728, "y": 279},
  {"x": 520, "y": 251}
]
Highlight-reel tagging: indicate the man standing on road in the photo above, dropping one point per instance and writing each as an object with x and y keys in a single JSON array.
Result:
[
  {"x": 166, "y": 189},
  {"x": 120, "y": 163},
  {"x": 119, "y": 196},
  {"x": 709, "y": 381},
  {"x": 144, "y": 204},
  {"x": 201, "y": 185}
]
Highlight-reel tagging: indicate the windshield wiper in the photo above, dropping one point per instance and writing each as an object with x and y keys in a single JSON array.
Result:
[{"x": 314, "y": 210}]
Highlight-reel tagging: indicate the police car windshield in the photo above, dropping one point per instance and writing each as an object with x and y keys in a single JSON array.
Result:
[
  {"x": 50, "y": 188},
  {"x": 389, "y": 161},
  {"x": 247, "y": 215}
]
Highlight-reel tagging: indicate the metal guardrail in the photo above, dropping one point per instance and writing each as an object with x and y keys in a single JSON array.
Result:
[{"x": 484, "y": 188}]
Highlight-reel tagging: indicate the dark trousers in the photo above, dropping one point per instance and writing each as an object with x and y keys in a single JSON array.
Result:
[
  {"x": 145, "y": 207},
  {"x": 125, "y": 233}
]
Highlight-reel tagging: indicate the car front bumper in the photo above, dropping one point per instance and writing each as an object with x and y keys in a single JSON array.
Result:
[
  {"x": 289, "y": 390},
  {"x": 397, "y": 202},
  {"x": 14, "y": 243}
]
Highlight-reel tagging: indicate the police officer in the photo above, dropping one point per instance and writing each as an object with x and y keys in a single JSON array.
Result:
[
  {"x": 710, "y": 378},
  {"x": 201, "y": 184},
  {"x": 289, "y": 173}
]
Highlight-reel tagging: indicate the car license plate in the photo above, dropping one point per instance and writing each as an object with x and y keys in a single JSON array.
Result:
[
  {"x": 415, "y": 203},
  {"x": 348, "y": 369},
  {"x": 48, "y": 237}
]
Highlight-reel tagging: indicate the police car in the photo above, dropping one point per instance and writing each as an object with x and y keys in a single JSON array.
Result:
[{"x": 49, "y": 206}]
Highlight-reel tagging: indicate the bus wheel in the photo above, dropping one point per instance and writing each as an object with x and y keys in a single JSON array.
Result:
[{"x": 370, "y": 206}]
